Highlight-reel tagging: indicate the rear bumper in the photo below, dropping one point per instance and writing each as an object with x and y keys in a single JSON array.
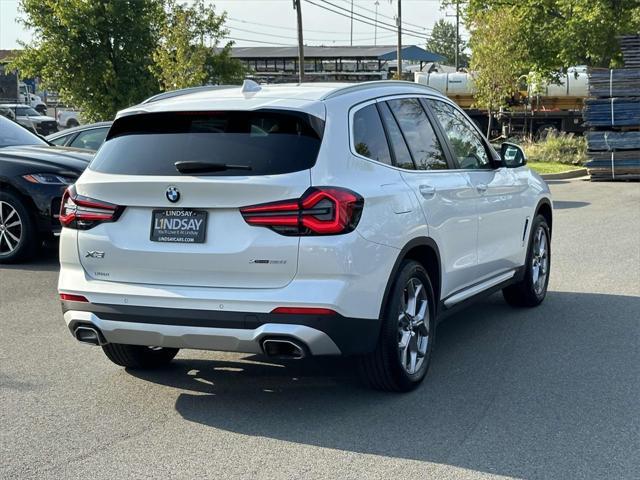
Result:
[{"x": 225, "y": 331}]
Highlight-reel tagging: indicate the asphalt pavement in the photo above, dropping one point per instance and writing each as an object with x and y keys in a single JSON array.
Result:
[{"x": 550, "y": 392}]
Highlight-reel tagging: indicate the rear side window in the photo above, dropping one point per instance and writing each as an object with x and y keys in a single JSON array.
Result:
[
  {"x": 60, "y": 140},
  {"x": 399, "y": 146},
  {"x": 264, "y": 142},
  {"x": 420, "y": 136},
  {"x": 90, "y": 139},
  {"x": 369, "y": 139}
]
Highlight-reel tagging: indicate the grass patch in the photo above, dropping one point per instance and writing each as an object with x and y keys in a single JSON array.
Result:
[
  {"x": 551, "y": 167},
  {"x": 564, "y": 148}
]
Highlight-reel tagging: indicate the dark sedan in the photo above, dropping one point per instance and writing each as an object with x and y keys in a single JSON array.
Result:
[{"x": 33, "y": 177}]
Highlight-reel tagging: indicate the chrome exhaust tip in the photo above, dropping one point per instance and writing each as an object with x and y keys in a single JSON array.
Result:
[
  {"x": 88, "y": 335},
  {"x": 283, "y": 348}
]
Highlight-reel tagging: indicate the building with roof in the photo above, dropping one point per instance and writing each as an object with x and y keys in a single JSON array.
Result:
[{"x": 336, "y": 63}]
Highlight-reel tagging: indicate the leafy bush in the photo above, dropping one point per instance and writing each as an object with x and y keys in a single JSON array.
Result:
[{"x": 560, "y": 148}]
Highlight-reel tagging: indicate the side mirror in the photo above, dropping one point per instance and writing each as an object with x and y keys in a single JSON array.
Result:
[{"x": 512, "y": 155}]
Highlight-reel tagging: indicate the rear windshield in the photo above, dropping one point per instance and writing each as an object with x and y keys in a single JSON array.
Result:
[
  {"x": 13, "y": 134},
  {"x": 265, "y": 142}
]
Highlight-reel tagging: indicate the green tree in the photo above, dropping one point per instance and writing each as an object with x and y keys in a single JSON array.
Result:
[
  {"x": 443, "y": 42},
  {"x": 556, "y": 34},
  {"x": 189, "y": 52},
  {"x": 496, "y": 61},
  {"x": 97, "y": 54}
]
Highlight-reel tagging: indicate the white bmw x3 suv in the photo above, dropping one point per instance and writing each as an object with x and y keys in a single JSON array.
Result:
[{"x": 296, "y": 220}]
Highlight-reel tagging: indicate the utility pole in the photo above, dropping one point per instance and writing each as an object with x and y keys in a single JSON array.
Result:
[
  {"x": 399, "y": 53},
  {"x": 351, "y": 38},
  {"x": 298, "y": 7},
  {"x": 457, "y": 35},
  {"x": 375, "y": 28}
]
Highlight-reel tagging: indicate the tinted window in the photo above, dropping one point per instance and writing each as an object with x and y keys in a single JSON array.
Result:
[
  {"x": 463, "y": 137},
  {"x": 13, "y": 134},
  {"x": 60, "y": 140},
  {"x": 90, "y": 139},
  {"x": 269, "y": 142},
  {"x": 425, "y": 148},
  {"x": 401, "y": 153},
  {"x": 369, "y": 139},
  {"x": 23, "y": 111}
]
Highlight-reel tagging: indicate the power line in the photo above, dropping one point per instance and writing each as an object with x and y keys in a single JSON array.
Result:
[
  {"x": 292, "y": 37},
  {"x": 389, "y": 25},
  {"x": 280, "y": 27},
  {"x": 385, "y": 16},
  {"x": 258, "y": 41},
  {"x": 394, "y": 30}
]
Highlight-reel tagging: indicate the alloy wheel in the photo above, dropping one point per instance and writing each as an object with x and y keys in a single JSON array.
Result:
[
  {"x": 10, "y": 228},
  {"x": 413, "y": 326},
  {"x": 540, "y": 260}
]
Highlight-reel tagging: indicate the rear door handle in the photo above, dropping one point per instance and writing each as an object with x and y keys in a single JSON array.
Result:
[
  {"x": 481, "y": 187},
  {"x": 427, "y": 191}
]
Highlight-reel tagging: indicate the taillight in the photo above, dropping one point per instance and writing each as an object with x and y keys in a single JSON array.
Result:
[
  {"x": 320, "y": 211},
  {"x": 69, "y": 297},
  {"x": 83, "y": 213}
]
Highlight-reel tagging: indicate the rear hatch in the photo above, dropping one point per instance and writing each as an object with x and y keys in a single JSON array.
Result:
[{"x": 181, "y": 225}]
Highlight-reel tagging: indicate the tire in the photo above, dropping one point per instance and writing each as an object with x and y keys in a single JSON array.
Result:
[
  {"x": 16, "y": 223},
  {"x": 139, "y": 356},
  {"x": 532, "y": 289},
  {"x": 72, "y": 123},
  {"x": 388, "y": 367}
]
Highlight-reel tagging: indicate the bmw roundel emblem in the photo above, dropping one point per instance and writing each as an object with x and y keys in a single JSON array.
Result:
[{"x": 173, "y": 194}]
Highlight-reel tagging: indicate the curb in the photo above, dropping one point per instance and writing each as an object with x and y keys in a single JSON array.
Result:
[{"x": 580, "y": 172}]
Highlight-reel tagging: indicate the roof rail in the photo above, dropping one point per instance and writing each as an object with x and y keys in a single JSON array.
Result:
[
  {"x": 376, "y": 83},
  {"x": 185, "y": 91}
]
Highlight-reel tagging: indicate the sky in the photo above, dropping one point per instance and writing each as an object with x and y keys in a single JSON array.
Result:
[{"x": 272, "y": 22}]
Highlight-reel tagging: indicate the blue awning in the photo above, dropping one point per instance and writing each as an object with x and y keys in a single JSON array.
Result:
[{"x": 413, "y": 53}]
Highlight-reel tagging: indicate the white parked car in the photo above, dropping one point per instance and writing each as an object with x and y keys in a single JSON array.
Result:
[
  {"x": 68, "y": 118},
  {"x": 31, "y": 119},
  {"x": 320, "y": 219}
]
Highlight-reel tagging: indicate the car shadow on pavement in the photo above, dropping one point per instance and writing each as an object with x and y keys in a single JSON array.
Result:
[
  {"x": 531, "y": 393},
  {"x": 45, "y": 260},
  {"x": 566, "y": 204}
]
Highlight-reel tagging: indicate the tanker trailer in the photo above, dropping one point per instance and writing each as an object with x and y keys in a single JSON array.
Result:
[{"x": 537, "y": 109}]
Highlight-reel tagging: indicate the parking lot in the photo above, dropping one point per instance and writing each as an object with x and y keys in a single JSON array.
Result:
[{"x": 550, "y": 392}]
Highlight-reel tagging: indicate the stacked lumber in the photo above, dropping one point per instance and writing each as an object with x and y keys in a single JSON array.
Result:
[
  {"x": 630, "y": 46},
  {"x": 612, "y": 141},
  {"x": 613, "y": 114},
  {"x": 615, "y": 82}
]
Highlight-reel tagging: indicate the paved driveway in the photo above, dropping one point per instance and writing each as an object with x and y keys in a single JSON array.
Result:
[{"x": 551, "y": 392}]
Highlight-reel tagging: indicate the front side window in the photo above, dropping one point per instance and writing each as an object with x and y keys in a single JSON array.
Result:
[
  {"x": 369, "y": 139},
  {"x": 467, "y": 145},
  {"x": 419, "y": 134}
]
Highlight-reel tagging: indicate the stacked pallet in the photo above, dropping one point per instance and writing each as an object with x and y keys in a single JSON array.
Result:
[
  {"x": 613, "y": 114},
  {"x": 630, "y": 46}
]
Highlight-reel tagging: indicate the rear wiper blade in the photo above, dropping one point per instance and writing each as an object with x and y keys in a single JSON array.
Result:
[{"x": 193, "y": 166}]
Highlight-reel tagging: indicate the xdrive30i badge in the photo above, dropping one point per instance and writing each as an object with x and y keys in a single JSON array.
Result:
[{"x": 173, "y": 194}]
